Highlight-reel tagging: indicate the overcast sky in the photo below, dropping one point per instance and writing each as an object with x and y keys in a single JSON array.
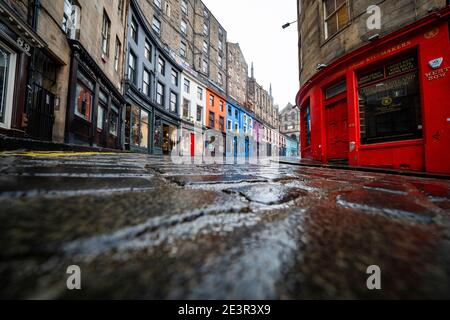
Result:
[{"x": 256, "y": 26}]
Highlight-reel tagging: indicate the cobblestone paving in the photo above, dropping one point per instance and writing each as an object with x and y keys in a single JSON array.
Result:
[{"x": 142, "y": 227}]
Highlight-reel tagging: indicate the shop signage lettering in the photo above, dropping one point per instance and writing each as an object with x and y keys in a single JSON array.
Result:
[
  {"x": 389, "y": 85},
  {"x": 384, "y": 53},
  {"x": 437, "y": 74},
  {"x": 372, "y": 76},
  {"x": 406, "y": 65}
]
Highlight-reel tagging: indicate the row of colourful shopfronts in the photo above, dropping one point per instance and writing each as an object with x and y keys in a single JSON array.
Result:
[
  {"x": 171, "y": 109},
  {"x": 385, "y": 104}
]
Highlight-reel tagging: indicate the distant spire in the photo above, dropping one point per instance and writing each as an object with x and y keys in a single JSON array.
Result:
[
  {"x": 253, "y": 72},
  {"x": 270, "y": 91}
]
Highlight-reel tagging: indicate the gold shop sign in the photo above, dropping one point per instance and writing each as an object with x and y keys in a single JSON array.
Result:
[{"x": 437, "y": 74}]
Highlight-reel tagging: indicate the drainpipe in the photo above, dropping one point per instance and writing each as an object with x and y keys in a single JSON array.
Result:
[
  {"x": 36, "y": 5},
  {"x": 35, "y": 16}
]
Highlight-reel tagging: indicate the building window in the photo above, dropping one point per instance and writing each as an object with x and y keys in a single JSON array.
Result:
[
  {"x": 187, "y": 86},
  {"x": 157, "y": 3},
  {"x": 200, "y": 93},
  {"x": 160, "y": 94},
  {"x": 211, "y": 119},
  {"x": 221, "y": 124},
  {"x": 168, "y": 9},
  {"x": 120, "y": 8},
  {"x": 205, "y": 66},
  {"x": 174, "y": 77},
  {"x": 389, "y": 107},
  {"x": 236, "y": 114},
  {"x": 229, "y": 125},
  {"x": 134, "y": 30},
  {"x": 84, "y": 98},
  {"x": 236, "y": 128},
  {"x": 220, "y": 79},
  {"x": 336, "y": 16},
  {"x": 71, "y": 19},
  {"x": 205, "y": 29},
  {"x": 148, "y": 51},
  {"x": 132, "y": 67},
  {"x": 221, "y": 106},
  {"x": 146, "y": 83},
  {"x": 220, "y": 45},
  {"x": 106, "y": 29},
  {"x": 183, "y": 50},
  {"x": 117, "y": 54},
  {"x": 205, "y": 47},
  {"x": 173, "y": 102},
  {"x": 156, "y": 26},
  {"x": 183, "y": 27},
  {"x": 199, "y": 114},
  {"x": 161, "y": 66},
  {"x": 184, "y": 7},
  {"x": 220, "y": 60},
  {"x": 114, "y": 120},
  {"x": 186, "y": 108},
  {"x": 211, "y": 100}
]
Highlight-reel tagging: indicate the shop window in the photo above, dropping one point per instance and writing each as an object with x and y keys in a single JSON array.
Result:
[
  {"x": 389, "y": 102},
  {"x": 84, "y": 100},
  {"x": 158, "y": 132},
  {"x": 135, "y": 123},
  {"x": 101, "y": 110},
  {"x": 307, "y": 124},
  {"x": 114, "y": 120},
  {"x": 336, "y": 16},
  {"x": 335, "y": 89},
  {"x": 144, "y": 129},
  {"x": 7, "y": 61}
]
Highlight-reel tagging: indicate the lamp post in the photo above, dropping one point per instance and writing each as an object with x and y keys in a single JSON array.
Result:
[{"x": 287, "y": 25}]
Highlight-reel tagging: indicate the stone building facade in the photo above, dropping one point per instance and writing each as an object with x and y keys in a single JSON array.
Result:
[
  {"x": 260, "y": 102},
  {"x": 191, "y": 32},
  {"x": 290, "y": 122},
  {"x": 237, "y": 74}
]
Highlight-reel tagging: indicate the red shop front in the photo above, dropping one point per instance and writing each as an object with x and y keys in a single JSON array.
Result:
[{"x": 386, "y": 104}]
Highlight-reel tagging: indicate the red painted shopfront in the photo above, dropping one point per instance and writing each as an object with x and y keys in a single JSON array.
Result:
[{"x": 386, "y": 104}]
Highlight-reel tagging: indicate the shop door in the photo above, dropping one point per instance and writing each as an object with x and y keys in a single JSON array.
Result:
[
  {"x": 40, "y": 114},
  {"x": 235, "y": 147},
  {"x": 192, "y": 145},
  {"x": 247, "y": 148},
  {"x": 337, "y": 131},
  {"x": 166, "y": 140}
]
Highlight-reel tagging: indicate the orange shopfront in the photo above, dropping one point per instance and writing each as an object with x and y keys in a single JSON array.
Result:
[{"x": 386, "y": 104}]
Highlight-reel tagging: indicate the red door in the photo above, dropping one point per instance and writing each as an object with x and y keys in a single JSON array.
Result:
[
  {"x": 337, "y": 131},
  {"x": 192, "y": 145}
]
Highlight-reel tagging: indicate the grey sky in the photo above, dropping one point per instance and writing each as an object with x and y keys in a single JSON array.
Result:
[{"x": 256, "y": 26}]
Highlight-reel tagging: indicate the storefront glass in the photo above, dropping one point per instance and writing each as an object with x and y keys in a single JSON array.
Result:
[
  {"x": 157, "y": 135},
  {"x": 84, "y": 97},
  {"x": 389, "y": 102},
  {"x": 135, "y": 115},
  {"x": 144, "y": 129},
  {"x": 4, "y": 75}
]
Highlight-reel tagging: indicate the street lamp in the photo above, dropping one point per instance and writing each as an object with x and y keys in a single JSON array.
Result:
[{"x": 287, "y": 25}]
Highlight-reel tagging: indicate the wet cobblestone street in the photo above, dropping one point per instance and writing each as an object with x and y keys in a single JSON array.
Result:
[{"x": 142, "y": 227}]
